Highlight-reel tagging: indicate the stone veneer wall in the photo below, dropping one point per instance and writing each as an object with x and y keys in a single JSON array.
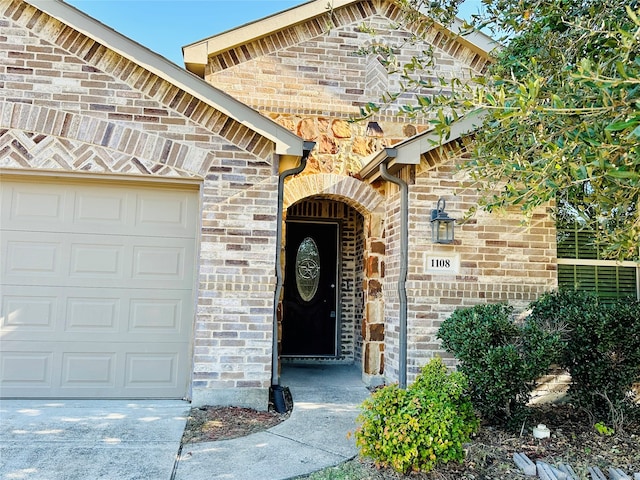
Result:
[{"x": 70, "y": 104}]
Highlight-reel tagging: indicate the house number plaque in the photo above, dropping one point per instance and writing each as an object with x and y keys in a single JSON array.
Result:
[{"x": 442, "y": 264}]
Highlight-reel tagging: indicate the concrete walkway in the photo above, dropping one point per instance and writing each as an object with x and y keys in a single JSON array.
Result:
[
  {"x": 127, "y": 440},
  {"x": 326, "y": 403}
]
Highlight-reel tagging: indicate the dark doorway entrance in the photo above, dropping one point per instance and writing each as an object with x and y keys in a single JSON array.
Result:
[{"x": 310, "y": 317}]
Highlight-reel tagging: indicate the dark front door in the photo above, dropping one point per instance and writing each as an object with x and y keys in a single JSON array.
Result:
[{"x": 309, "y": 322}]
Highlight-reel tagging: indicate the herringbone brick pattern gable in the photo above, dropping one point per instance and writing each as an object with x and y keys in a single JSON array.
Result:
[
  {"x": 74, "y": 72},
  {"x": 376, "y": 79},
  {"x": 19, "y": 149},
  {"x": 81, "y": 139}
]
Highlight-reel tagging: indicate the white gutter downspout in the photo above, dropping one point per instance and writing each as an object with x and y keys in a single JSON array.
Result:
[
  {"x": 307, "y": 147},
  {"x": 402, "y": 279}
]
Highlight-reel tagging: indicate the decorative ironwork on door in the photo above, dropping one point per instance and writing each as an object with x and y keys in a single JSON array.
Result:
[{"x": 307, "y": 269}]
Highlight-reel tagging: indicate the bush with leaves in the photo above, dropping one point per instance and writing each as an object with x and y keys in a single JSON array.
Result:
[
  {"x": 417, "y": 428},
  {"x": 600, "y": 349},
  {"x": 501, "y": 358},
  {"x": 562, "y": 101}
]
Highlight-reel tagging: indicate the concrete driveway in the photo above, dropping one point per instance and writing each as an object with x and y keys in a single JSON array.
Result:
[
  {"x": 90, "y": 439},
  {"x": 130, "y": 439}
]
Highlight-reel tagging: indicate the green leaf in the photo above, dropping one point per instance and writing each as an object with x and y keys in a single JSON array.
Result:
[
  {"x": 623, "y": 174},
  {"x": 617, "y": 126}
]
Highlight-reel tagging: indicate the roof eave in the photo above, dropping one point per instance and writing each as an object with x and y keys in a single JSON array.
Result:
[
  {"x": 286, "y": 143},
  {"x": 196, "y": 54},
  {"x": 475, "y": 39},
  {"x": 409, "y": 151}
]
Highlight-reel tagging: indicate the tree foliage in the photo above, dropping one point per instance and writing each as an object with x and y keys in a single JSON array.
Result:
[{"x": 563, "y": 103}]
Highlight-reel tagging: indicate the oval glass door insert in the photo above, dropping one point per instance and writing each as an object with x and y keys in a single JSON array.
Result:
[{"x": 307, "y": 269}]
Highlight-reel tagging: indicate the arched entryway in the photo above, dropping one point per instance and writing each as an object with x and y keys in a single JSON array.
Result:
[
  {"x": 323, "y": 301},
  {"x": 332, "y": 305}
]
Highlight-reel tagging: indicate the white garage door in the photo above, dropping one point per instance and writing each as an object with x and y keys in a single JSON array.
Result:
[{"x": 97, "y": 289}]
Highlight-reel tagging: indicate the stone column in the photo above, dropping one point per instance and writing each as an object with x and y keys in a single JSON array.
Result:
[{"x": 373, "y": 321}]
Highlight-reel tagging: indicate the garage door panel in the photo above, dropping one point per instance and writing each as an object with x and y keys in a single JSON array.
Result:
[
  {"x": 146, "y": 369},
  {"x": 92, "y": 314},
  {"x": 88, "y": 369},
  {"x": 164, "y": 211},
  {"x": 20, "y": 369},
  {"x": 95, "y": 209},
  {"x": 97, "y": 290},
  {"x": 70, "y": 315},
  {"x": 31, "y": 204},
  {"x": 155, "y": 315},
  {"x": 154, "y": 262},
  {"x": 28, "y": 313},
  {"x": 97, "y": 260},
  {"x": 30, "y": 258},
  {"x": 75, "y": 260}
]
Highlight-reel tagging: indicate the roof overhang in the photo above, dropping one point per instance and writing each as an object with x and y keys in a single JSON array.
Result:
[
  {"x": 286, "y": 143},
  {"x": 409, "y": 152},
  {"x": 196, "y": 54}
]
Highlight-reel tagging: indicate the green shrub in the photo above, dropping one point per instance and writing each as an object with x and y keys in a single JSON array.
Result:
[
  {"x": 600, "y": 349},
  {"x": 501, "y": 359},
  {"x": 417, "y": 428}
]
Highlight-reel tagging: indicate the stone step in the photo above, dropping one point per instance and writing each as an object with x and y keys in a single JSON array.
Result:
[
  {"x": 617, "y": 474},
  {"x": 546, "y": 471}
]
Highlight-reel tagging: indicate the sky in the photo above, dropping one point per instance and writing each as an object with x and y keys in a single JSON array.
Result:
[{"x": 165, "y": 26}]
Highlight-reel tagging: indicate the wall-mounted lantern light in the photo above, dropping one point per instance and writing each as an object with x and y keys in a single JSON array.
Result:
[{"x": 441, "y": 224}]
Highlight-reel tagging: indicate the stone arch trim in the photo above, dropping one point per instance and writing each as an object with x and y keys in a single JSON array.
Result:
[
  {"x": 43, "y": 138},
  {"x": 352, "y": 191}
]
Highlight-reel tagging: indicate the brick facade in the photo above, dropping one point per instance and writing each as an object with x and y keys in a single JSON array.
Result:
[
  {"x": 70, "y": 104},
  {"x": 311, "y": 77}
]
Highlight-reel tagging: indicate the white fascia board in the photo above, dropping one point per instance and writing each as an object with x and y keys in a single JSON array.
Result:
[
  {"x": 286, "y": 142},
  {"x": 198, "y": 52},
  {"x": 477, "y": 38},
  {"x": 408, "y": 152},
  {"x": 460, "y": 128}
]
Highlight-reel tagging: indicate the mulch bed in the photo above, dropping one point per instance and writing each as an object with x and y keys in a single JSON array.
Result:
[
  {"x": 489, "y": 456},
  {"x": 208, "y": 424},
  {"x": 573, "y": 441}
]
